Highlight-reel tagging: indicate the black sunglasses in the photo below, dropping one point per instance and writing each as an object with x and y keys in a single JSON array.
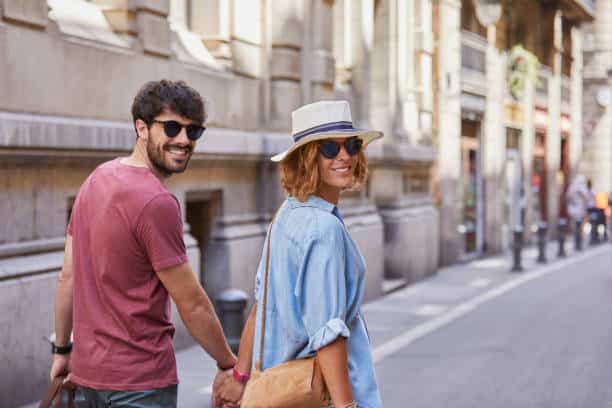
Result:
[
  {"x": 172, "y": 128},
  {"x": 330, "y": 148}
]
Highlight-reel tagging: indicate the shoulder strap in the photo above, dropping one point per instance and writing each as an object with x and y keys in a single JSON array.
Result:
[
  {"x": 265, "y": 299},
  {"x": 52, "y": 396}
]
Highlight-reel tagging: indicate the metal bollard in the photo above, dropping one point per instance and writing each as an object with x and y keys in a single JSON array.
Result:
[
  {"x": 561, "y": 231},
  {"x": 578, "y": 235},
  {"x": 594, "y": 232},
  {"x": 230, "y": 306},
  {"x": 542, "y": 229},
  {"x": 517, "y": 246}
]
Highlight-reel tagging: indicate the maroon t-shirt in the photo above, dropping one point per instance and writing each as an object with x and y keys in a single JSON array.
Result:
[{"x": 125, "y": 225}]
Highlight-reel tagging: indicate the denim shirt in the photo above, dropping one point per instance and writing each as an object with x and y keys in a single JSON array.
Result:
[{"x": 315, "y": 288}]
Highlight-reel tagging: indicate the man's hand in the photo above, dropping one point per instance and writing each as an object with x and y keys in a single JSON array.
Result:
[
  {"x": 229, "y": 392},
  {"x": 60, "y": 366},
  {"x": 220, "y": 378}
]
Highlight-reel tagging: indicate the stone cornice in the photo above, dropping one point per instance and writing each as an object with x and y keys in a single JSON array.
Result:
[{"x": 39, "y": 135}]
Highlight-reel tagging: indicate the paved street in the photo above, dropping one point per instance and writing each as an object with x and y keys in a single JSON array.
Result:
[
  {"x": 476, "y": 335},
  {"x": 543, "y": 343}
]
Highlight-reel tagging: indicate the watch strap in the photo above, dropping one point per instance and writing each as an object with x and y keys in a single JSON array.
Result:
[
  {"x": 61, "y": 349},
  {"x": 242, "y": 378}
]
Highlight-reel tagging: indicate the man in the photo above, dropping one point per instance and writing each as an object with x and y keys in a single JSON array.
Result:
[{"x": 124, "y": 255}]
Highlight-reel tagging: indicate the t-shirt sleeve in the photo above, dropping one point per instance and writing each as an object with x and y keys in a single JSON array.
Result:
[
  {"x": 321, "y": 288},
  {"x": 160, "y": 232}
]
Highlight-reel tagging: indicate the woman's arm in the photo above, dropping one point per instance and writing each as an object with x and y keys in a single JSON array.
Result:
[
  {"x": 231, "y": 390},
  {"x": 334, "y": 365},
  {"x": 245, "y": 352}
]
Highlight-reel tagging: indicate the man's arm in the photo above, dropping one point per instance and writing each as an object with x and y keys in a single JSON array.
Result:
[
  {"x": 63, "y": 312},
  {"x": 197, "y": 312}
]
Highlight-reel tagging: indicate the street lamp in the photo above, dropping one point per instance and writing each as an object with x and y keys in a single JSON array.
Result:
[{"x": 488, "y": 12}]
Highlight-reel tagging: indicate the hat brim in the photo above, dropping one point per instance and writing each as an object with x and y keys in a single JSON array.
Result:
[{"x": 366, "y": 135}]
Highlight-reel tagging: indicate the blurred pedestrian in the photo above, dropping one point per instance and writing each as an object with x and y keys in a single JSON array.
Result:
[
  {"x": 124, "y": 255},
  {"x": 601, "y": 204},
  {"x": 578, "y": 200},
  {"x": 316, "y": 271}
]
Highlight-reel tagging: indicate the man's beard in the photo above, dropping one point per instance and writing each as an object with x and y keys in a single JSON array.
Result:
[{"x": 156, "y": 157}]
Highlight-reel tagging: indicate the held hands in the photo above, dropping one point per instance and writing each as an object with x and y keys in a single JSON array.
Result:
[
  {"x": 227, "y": 392},
  {"x": 60, "y": 366}
]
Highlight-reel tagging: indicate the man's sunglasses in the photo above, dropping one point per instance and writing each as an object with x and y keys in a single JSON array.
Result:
[
  {"x": 330, "y": 148},
  {"x": 172, "y": 128}
]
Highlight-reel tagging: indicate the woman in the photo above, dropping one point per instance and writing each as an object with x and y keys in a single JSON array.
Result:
[{"x": 317, "y": 274}]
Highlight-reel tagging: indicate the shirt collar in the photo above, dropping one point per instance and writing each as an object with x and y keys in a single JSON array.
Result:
[{"x": 315, "y": 201}]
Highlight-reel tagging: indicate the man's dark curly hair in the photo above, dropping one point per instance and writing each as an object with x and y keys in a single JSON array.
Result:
[{"x": 156, "y": 96}]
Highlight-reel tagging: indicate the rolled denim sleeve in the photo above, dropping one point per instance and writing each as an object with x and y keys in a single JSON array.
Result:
[{"x": 321, "y": 287}]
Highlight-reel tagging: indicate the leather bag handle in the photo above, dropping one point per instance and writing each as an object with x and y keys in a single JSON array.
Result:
[
  {"x": 265, "y": 299},
  {"x": 52, "y": 397}
]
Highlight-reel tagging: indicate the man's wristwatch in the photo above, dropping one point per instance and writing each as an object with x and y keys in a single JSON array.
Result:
[
  {"x": 61, "y": 349},
  {"x": 242, "y": 378}
]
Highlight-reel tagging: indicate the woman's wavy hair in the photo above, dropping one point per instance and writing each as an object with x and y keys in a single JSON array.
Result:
[{"x": 299, "y": 171}]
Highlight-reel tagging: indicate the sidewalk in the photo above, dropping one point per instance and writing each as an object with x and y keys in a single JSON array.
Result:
[
  {"x": 391, "y": 317},
  {"x": 397, "y": 319}
]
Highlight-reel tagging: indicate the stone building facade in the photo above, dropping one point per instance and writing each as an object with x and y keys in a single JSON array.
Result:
[
  {"x": 69, "y": 70},
  {"x": 508, "y": 118},
  {"x": 597, "y": 107}
]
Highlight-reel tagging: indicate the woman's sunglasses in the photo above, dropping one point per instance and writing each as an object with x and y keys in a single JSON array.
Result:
[
  {"x": 172, "y": 128},
  {"x": 330, "y": 148}
]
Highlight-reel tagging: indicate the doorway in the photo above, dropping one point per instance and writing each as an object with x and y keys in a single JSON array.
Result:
[
  {"x": 514, "y": 202},
  {"x": 472, "y": 188},
  {"x": 202, "y": 210},
  {"x": 539, "y": 179}
]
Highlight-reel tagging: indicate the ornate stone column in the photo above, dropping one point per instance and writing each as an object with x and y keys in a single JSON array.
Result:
[
  {"x": 447, "y": 20},
  {"x": 354, "y": 32},
  {"x": 424, "y": 50},
  {"x": 318, "y": 66},
  {"x": 575, "y": 151},
  {"x": 287, "y": 33},
  {"x": 494, "y": 136},
  {"x": 384, "y": 96},
  {"x": 553, "y": 136}
]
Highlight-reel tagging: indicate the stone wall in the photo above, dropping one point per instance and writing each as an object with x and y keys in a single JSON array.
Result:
[{"x": 66, "y": 89}]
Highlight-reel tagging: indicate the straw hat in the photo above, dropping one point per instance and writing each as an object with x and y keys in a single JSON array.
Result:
[{"x": 324, "y": 120}]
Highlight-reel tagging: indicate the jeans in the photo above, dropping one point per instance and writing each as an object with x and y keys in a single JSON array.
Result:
[{"x": 156, "y": 398}]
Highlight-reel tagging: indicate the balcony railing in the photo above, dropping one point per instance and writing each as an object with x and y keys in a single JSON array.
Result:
[{"x": 473, "y": 52}]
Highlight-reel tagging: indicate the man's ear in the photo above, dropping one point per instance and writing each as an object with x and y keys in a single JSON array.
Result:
[{"x": 141, "y": 129}]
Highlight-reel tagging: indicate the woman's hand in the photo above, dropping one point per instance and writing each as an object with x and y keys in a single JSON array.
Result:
[
  {"x": 230, "y": 392},
  {"x": 220, "y": 378}
]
